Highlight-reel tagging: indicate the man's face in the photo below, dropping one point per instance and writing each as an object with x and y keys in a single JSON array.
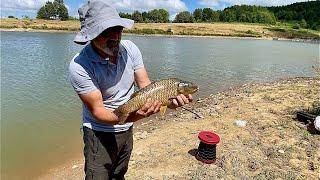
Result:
[{"x": 109, "y": 40}]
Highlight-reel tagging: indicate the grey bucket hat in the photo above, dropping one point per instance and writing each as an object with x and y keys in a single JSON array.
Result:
[{"x": 97, "y": 16}]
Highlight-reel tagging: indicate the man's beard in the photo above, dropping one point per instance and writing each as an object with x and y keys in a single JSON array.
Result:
[
  {"x": 114, "y": 50},
  {"x": 111, "y": 48}
]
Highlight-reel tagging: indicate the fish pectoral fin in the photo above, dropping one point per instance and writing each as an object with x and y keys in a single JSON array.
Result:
[{"x": 163, "y": 110}]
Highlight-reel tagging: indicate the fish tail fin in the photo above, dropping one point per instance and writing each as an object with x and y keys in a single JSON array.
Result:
[
  {"x": 122, "y": 119},
  {"x": 121, "y": 115}
]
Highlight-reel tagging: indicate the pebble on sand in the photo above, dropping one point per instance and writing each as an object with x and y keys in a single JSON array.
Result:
[{"x": 240, "y": 123}]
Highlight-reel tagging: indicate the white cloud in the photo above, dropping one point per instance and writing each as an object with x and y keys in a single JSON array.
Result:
[
  {"x": 223, "y": 3},
  {"x": 18, "y": 7},
  {"x": 172, "y": 6},
  {"x": 173, "y": 16},
  {"x": 22, "y": 4},
  {"x": 209, "y": 3}
]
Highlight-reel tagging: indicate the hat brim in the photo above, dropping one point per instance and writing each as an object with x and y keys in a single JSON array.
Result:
[{"x": 87, "y": 34}]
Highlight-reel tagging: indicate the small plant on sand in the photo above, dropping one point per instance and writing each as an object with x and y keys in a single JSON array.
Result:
[{"x": 315, "y": 108}]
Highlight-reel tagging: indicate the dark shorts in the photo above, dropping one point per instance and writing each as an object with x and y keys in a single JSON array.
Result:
[{"x": 106, "y": 154}]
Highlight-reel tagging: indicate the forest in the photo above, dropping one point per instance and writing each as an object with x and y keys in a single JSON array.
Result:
[{"x": 301, "y": 15}]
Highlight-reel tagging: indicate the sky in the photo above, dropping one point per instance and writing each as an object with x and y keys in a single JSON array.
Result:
[{"x": 21, "y": 8}]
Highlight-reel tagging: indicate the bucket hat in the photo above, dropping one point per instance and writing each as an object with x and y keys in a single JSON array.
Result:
[{"x": 97, "y": 16}]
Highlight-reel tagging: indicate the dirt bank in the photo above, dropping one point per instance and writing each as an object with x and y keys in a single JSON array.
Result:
[
  {"x": 273, "y": 144},
  {"x": 218, "y": 29}
]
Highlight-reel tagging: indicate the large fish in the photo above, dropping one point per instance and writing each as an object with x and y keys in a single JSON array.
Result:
[{"x": 163, "y": 91}]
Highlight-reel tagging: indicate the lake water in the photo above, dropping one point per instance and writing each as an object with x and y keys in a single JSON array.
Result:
[{"x": 41, "y": 115}]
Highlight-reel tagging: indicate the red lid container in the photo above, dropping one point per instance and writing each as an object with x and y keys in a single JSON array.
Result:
[{"x": 208, "y": 137}]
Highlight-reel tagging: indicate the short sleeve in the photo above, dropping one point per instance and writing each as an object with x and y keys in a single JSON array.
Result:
[
  {"x": 135, "y": 55},
  {"x": 80, "y": 78}
]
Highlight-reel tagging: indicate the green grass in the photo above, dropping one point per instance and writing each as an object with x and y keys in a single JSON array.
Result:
[
  {"x": 189, "y": 32},
  {"x": 285, "y": 32}
]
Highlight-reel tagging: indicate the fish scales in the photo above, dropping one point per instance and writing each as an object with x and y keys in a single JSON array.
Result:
[{"x": 162, "y": 91}]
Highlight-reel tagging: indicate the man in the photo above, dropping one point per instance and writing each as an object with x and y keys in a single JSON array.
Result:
[{"x": 103, "y": 75}]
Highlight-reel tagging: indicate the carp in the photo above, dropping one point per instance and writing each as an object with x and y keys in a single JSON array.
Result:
[{"x": 164, "y": 91}]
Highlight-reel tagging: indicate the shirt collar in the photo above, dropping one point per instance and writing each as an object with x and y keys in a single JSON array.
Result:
[{"x": 94, "y": 56}]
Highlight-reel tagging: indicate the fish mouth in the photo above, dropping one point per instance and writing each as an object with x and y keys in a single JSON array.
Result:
[
  {"x": 194, "y": 89},
  {"x": 186, "y": 87}
]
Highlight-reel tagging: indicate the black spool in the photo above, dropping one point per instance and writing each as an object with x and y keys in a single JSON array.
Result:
[{"x": 207, "y": 148}]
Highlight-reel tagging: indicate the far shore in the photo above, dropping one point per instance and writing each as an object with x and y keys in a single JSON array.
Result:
[
  {"x": 207, "y": 30},
  {"x": 165, "y": 35},
  {"x": 272, "y": 144}
]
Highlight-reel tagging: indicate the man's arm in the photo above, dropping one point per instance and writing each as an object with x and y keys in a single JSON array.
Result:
[
  {"x": 141, "y": 77},
  {"x": 94, "y": 102},
  {"x": 142, "y": 80}
]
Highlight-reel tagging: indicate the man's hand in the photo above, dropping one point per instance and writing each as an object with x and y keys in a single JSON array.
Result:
[
  {"x": 146, "y": 110},
  {"x": 180, "y": 100},
  {"x": 149, "y": 108}
]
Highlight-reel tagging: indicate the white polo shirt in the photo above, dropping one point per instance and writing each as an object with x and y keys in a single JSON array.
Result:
[{"x": 88, "y": 72}]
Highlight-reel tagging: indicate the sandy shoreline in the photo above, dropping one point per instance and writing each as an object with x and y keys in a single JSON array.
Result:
[
  {"x": 272, "y": 144},
  {"x": 165, "y": 35}
]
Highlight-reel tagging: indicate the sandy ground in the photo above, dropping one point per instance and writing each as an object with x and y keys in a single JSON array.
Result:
[{"x": 272, "y": 145}]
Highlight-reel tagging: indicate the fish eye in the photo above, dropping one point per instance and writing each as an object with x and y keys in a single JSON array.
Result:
[{"x": 183, "y": 84}]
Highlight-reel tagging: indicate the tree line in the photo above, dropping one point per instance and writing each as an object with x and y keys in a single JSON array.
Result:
[
  {"x": 306, "y": 14},
  {"x": 303, "y": 14},
  {"x": 243, "y": 13},
  {"x": 55, "y": 10},
  {"x": 153, "y": 16}
]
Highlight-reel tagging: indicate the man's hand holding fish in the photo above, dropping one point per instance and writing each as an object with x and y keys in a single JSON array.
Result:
[
  {"x": 154, "y": 107},
  {"x": 156, "y": 97}
]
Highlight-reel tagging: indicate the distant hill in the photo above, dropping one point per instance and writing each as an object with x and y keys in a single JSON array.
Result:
[{"x": 305, "y": 13}]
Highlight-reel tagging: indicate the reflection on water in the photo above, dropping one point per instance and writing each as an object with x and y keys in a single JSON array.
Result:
[{"x": 41, "y": 115}]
